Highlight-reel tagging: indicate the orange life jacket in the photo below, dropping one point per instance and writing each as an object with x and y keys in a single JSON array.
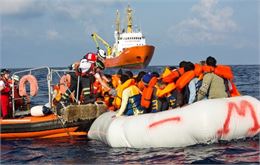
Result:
[
  {"x": 207, "y": 69},
  {"x": 115, "y": 80},
  {"x": 234, "y": 91},
  {"x": 224, "y": 72},
  {"x": 198, "y": 70},
  {"x": 221, "y": 70},
  {"x": 165, "y": 91},
  {"x": 56, "y": 92},
  {"x": 185, "y": 79},
  {"x": 119, "y": 90},
  {"x": 108, "y": 104},
  {"x": 147, "y": 93},
  {"x": 173, "y": 75},
  {"x": 141, "y": 85}
]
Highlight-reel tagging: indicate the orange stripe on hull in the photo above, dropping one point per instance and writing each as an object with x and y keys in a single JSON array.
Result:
[
  {"x": 44, "y": 134},
  {"x": 135, "y": 57},
  {"x": 29, "y": 119}
]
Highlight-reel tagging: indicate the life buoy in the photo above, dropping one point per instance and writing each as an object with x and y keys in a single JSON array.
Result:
[
  {"x": 65, "y": 81},
  {"x": 33, "y": 85},
  {"x": 173, "y": 75},
  {"x": 147, "y": 93},
  {"x": 119, "y": 90},
  {"x": 185, "y": 79}
]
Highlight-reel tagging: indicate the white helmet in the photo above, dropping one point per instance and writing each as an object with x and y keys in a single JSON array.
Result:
[
  {"x": 84, "y": 65},
  {"x": 101, "y": 54},
  {"x": 16, "y": 78}
]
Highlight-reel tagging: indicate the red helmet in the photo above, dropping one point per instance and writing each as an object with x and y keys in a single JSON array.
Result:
[{"x": 91, "y": 57}]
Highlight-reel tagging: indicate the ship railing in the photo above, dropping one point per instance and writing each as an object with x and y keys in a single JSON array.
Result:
[
  {"x": 21, "y": 104},
  {"x": 56, "y": 75}
]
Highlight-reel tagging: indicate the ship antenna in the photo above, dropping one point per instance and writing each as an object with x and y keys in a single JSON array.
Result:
[
  {"x": 117, "y": 21},
  {"x": 129, "y": 19}
]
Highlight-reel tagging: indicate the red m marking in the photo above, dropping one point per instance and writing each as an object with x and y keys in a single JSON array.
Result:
[{"x": 244, "y": 107}]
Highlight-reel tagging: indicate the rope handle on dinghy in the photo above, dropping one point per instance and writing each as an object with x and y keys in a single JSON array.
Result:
[{"x": 63, "y": 122}]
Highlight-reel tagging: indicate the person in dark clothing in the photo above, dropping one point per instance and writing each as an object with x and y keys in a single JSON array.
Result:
[
  {"x": 182, "y": 64},
  {"x": 83, "y": 78},
  {"x": 156, "y": 74},
  {"x": 129, "y": 74},
  {"x": 139, "y": 76}
]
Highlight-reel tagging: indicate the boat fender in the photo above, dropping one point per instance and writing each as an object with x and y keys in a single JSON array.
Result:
[
  {"x": 33, "y": 85},
  {"x": 37, "y": 110},
  {"x": 40, "y": 110}
]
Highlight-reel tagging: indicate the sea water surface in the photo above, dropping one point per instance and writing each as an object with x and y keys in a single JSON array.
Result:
[{"x": 83, "y": 151}]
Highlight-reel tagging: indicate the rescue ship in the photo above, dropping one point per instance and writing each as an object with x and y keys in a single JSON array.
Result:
[{"x": 130, "y": 49}]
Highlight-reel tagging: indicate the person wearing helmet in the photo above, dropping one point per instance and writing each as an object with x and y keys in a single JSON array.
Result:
[
  {"x": 91, "y": 57},
  {"x": 101, "y": 55},
  {"x": 84, "y": 73},
  {"x": 5, "y": 90}
]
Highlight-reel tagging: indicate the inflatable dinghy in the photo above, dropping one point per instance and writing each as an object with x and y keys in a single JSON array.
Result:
[{"x": 202, "y": 122}]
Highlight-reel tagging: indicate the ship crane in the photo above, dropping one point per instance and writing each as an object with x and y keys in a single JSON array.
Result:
[{"x": 96, "y": 37}]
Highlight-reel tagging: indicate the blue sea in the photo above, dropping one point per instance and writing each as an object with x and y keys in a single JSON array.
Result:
[{"x": 83, "y": 151}]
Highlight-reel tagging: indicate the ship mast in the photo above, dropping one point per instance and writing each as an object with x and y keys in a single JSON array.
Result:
[
  {"x": 129, "y": 20},
  {"x": 117, "y": 21}
]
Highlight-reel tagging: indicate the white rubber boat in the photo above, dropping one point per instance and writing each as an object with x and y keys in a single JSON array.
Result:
[{"x": 203, "y": 122}]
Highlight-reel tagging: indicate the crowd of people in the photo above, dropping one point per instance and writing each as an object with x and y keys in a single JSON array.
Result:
[
  {"x": 147, "y": 92},
  {"x": 129, "y": 94}
]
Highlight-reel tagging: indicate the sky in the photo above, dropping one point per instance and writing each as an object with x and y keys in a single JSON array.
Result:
[{"x": 55, "y": 33}]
